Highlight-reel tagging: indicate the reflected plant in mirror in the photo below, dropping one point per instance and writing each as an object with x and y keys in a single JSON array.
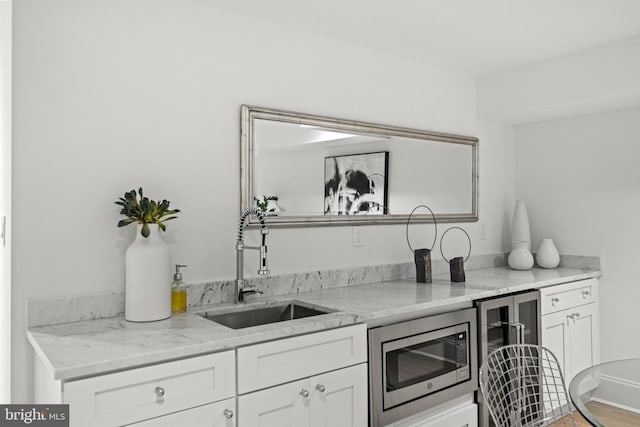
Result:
[
  {"x": 328, "y": 171},
  {"x": 268, "y": 205}
]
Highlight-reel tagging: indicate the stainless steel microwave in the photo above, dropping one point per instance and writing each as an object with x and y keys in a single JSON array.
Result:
[{"x": 420, "y": 363}]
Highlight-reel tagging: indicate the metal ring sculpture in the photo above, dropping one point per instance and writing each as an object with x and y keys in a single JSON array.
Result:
[
  {"x": 442, "y": 238},
  {"x": 435, "y": 225}
]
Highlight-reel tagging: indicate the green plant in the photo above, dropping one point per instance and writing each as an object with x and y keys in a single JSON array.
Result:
[
  {"x": 264, "y": 203},
  {"x": 138, "y": 208}
]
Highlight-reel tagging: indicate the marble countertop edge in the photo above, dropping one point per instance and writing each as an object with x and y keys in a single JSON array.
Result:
[
  {"x": 91, "y": 347},
  {"x": 220, "y": 338}
]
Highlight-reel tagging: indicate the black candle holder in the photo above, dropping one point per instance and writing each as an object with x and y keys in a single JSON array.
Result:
[
  {"x": 422, "y": 257},
  {"x": 456, "y": 265}
]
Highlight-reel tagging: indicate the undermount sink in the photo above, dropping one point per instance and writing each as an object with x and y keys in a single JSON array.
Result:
[{"x": 263, "y": 315}]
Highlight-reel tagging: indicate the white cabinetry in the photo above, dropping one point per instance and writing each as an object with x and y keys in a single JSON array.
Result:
[
  {"x": 198, "y": 389},
  {"x": 339, "y": 398},
  {"x": 570, "y": 325},
  {"x": 282, "y": 406},
  {"x": 318, "y": 379},
  {"x": 315, "y": 380},
  {"x": 334, "y": 399},
  {"x": 219, "y": 414}
]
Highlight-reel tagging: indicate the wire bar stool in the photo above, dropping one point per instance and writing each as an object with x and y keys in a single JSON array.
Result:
[{"x": 524, "y": 387}]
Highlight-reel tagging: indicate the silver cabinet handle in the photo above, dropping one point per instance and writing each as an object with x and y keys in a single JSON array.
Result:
[
  {"x": 554, "y": 301},
  {"x": 585, "y": 293},
  {"x": 159, "y": 391},
  {"x": 304, "y": 393},
  {"x": 572, "y": 316},
  {"x": 519, "y": 327},
  {"x": 320, "y": 388},
  {"x": 228, "y": 413}
]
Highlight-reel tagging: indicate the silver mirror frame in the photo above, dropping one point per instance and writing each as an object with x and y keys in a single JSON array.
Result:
[{"x": 250, "y": 113}]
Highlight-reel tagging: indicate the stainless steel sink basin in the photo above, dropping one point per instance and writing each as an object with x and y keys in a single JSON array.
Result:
[{"x": 263, "y": 315}]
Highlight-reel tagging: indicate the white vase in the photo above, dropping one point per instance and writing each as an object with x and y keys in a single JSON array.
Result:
[
  {"x": 520, "y": 258},
  {"x": 547, "y": 255},
  {"x": 520, "y": 231},
  {"x": 147, "y": 277}
]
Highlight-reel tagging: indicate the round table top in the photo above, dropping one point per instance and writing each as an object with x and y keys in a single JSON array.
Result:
[{"x": 610, "y": 384}]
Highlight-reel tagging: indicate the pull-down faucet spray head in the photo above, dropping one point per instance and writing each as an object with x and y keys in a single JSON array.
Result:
[{"x": 263, "y": 269}]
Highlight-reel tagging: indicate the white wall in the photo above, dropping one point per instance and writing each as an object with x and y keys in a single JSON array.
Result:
[
  {"x": 5, "y": 200},
  {"x": 597, "y": 79},
  {"x": 111, "y": 95},
  {"x": 581, "y": 181}
]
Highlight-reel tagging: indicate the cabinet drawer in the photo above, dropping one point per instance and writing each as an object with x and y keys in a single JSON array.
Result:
[
  {"x": 561, "y": 297},
  {"x": 143, "y": 393},
  {"x": 466, "y": 416},
  {"x": 219, "y": 414},
  {"x": 276, "y": 362}
]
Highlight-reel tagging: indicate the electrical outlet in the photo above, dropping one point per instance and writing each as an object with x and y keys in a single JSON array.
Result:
[
  {"x": 483, "y": 232},
  {"x": 356, "y": 236}
]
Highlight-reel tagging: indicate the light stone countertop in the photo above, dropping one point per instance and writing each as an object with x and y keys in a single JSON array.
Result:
[{"x": 91, "y": 347}]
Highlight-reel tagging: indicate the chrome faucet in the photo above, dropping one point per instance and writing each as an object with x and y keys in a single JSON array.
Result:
[{"x": 241, "y": 291}]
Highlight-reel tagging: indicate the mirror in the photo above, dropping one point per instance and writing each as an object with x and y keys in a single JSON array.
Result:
[{"x": 324, "y": 171}]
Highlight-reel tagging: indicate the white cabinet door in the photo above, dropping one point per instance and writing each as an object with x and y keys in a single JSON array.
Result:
[
  {"x": 281, "y": 406},
  {"x": 555, "y": 331},
  {"x": 339, "y": 398},
  {"x": 572, "y": 334},
  {"x": 333, "y": 399},
  {"x": 219, "y": 414},
  {"x": 584, "y": 336}
]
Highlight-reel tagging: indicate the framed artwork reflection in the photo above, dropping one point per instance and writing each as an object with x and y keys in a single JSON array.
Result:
[{"x": 356, "y": 184}]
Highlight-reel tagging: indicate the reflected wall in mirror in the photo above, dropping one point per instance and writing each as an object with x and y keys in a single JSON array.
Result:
[{"x": 287, "y": 156}]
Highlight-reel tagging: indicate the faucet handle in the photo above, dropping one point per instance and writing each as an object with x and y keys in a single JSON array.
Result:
[
  {"x": 246, "y": 291},
  {"x": 263, "y": 272}
]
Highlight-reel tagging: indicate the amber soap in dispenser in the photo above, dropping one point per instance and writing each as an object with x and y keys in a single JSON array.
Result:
[{"x": 178, "y": 292}]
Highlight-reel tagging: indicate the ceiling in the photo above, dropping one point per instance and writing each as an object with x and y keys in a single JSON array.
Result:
[{"x": 475, "y": 36}]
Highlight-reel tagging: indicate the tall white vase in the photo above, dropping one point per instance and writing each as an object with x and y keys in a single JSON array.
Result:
[
  {"x": 520, "y": 231},
  {"x": 547, "y": 255},
  {"x": 147, "y": 277}
]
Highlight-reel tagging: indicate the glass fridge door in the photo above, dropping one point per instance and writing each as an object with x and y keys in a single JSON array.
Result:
[
  {"x": 508, "y": 320},
  {"x": 496, "y": 316},
  {"x": 495, "y": 319},
  {"x": 527, "y": 313}
]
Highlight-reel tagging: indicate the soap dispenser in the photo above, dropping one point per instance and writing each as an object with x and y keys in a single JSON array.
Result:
[{"x": 178, "y": 292}]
